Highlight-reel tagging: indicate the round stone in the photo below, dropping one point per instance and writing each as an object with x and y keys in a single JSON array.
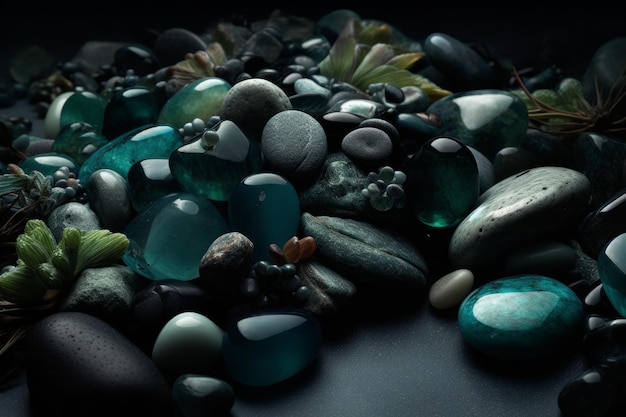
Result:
[{"x": 450, "y": 290}]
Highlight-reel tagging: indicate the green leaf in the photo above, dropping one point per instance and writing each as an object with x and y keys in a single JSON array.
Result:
[
  {"x": 31, "y": 251},
  {"x": 100, "y": 247},
  {"x": 10, "y": 183},
  {"x": 20, "y": 285}
]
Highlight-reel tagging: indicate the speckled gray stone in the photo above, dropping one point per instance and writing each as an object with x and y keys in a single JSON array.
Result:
[
  {"x": 72, "y": 214},
  {"x": 367, "y": 254},
  {"x": 535, "y": 204}
]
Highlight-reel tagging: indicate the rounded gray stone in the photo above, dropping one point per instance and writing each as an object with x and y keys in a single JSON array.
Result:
[
  {"x": 109, "y": 198},
  {"x": 535, "y": 204},
  {"x": 72, "y": 214}
]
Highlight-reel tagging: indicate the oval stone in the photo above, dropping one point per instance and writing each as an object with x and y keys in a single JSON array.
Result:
[
  {"x": 271, "y": 347},
  {"x": 521, "y": 317},
  {"x": 197, "y": 395},
  {"x": 451, "y": 289},
  {"x": 612, "y": 271}
]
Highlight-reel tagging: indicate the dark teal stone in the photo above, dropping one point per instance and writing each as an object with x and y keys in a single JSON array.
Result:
[
  {"x": 603, "y": 224},
  {"x": 487, "y": 120},
  {"x": 149, "y": 180},
  {"x": 128, "y": 109},
  {"x": 214, "y": 170},
  {"x": 155, "y": 141},
  {"x": 79, "y": 140},
  {"x": 71, "y": 107},
  {"x": 265, "y": 208},
  {"x": 202, "y": 99},
  {"x": 414, "y": 127},
  {"x": 48, "y": 163},
  {"x": 612, "y": 271},
  {"x": 197, "y": 395},
  {"x": 271, "y": 347},
  {"x": 591, "y": 393},
  {"x": 443, "y": 182},
  {"x": 170, "y": 236},
  {"x": 521, "y": 317}
]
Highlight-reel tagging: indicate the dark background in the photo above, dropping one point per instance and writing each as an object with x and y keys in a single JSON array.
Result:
[{"x": 405, "y": 363}]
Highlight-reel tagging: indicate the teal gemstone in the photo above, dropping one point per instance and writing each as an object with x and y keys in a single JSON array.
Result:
[
  {"x": 214, "y": 164},
  {"x": 156, "y": 141},
  {"x": 128, "y": 109},
  {"x": 170, "y": 236},
  {"x": 79, "y": 140},
  {"x": 443, "y": 183},
  {"x": 612, "y": 271},
  {"x": 201, "y": 99},
  {"x": 266, "y": 209},
  {"x": 270, "y": 347},
  {"x": 48, "y": 163},
  {"x": 486, "y": 120},
  {"x": 149, "y": 180},
  {"x": 74, "y": 106},
  {"x": 521, "y": 317}
]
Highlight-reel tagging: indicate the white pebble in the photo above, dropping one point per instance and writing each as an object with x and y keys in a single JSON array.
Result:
[{"x": 451, "y": 289}]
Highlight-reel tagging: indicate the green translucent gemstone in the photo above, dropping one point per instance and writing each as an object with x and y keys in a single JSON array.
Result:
[
  {"x": 48, "y": 163},
  {"x": 612, "y": 271},
  {"x": 156, "y": 141},
  {"x": 201, "y": 99},
  {"x": 215, "y": 163},
  {"x": 443, "y": 182},
  {"x": 521, "y": 317},
  {"x": 170, "y": 236},
  {"x": 79, "y": 140},
  {"x": 265, "y": 208},
  {"x": 74, "y": 106},
  {"x": 267, "y": 348},
  {"x": 128, "y": 109},
  {"x": 149, "y": 180}
]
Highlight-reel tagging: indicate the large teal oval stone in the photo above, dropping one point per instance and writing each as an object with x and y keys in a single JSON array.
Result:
[
  {"x": 71, "y": 107},
  {"x": 48, "y": 163},
  {"x": 521, "y": 317},
  {"x": 270, "y": 347},
  {"x": 170, "y": 236},
  {"x": 612, "y": 272},
  {"x": 201, "y": 99},
  {"x": 79, "y": 140},
  {"x": 154, "y": 141}
]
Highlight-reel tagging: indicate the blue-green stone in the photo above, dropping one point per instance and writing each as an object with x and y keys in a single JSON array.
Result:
[
  {"x": 128, "y": 109},
  {"x": 74, "y": 106},
  {"x": 521, "y": 317},
  {"x": 443, "y": 182},
  {"x": 202, "y": 99},
  {"x": 48, "y": 163},
  {"x": 487, "y": 120},
  {"x": 266, "y": 209},
  {"x": 612, "y": 271},
  {"x": 270, "y": 347},
  {"x": 214, "y": 171},
  {"x": 170, "y": 236},
  {"x": 79, "y": 140},
  {"x": 155, "y": 141},
  {"x": 149, "y": 180}
]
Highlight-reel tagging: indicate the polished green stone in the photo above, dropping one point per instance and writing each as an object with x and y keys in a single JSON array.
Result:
[
  {"x": 265, "y": 208},
  {"x": 149, "y": 180},
  {"x": 214, "y": 169},
  {"x": 443, "y": 182},
  {"x": 155, "y": 141},
  {"x": 79, "y": 140},
  {"x": 48, "y": 163},
  {"x": 521, "y": 317},
  {"x": 128, "y": 109},
  {"x": 74, "y": 106},
  {"x": 201, "y": 99},
  {"x": 612, "y": 271},
  {"x": 270, "y": 347},
  {"x": 170, "y": 236}
]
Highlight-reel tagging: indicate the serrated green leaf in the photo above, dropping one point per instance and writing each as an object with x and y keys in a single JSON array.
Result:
[
  {"x": 31, "y": 251},
  {"x": 20, "y": 285},
  {"x": 10, "y": 183},
  {"x": 100, "y": 247},
  {"x": 39, "y": 230}
]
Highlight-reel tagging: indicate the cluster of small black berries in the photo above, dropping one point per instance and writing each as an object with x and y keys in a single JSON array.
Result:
[
  {"x": 272, "y": 285},
  {"x": 67, "y": 180}
]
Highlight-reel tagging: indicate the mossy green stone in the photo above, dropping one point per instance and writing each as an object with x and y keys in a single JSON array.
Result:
[
  {"x": 521, "y": 317},
  {"x": 201, "y": 99}
]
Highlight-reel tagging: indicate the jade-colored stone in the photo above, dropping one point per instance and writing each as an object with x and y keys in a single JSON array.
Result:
[
  {"x": 270, "y": 347},
  {"x": 154, "y": 141},
  {"x": 266, "y": 209},
  {"x": 521, "y": 317},
  {"x": 170, "y": 236},
  {"x": 149, "y": 180},
  {"x": 74, "y": 106},
  {"x": 443, "y": 183},
  {"x": 79, "y": 140},
  {"x": 202, "y": 99},
  {"x": 48, "y": 163},
  {"x": 612, "y": 272},
  {"x": 215, "y": 163},
  {"x": 128, "y": 109}
]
